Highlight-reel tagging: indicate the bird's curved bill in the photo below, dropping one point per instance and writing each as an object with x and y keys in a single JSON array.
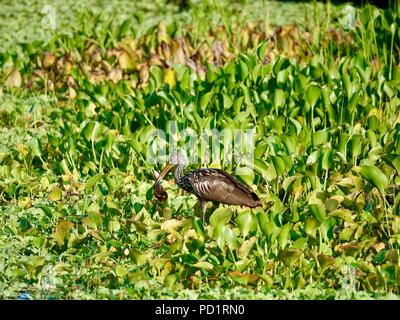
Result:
[{"x": 167, "y": 168}]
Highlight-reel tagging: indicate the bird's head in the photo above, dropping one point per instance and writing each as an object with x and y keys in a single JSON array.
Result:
[{"x": 178, "y": 158}]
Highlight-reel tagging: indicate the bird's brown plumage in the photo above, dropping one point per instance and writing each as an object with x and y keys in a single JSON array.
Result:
[
  {"x": 219, "y": 186},
  {"x": 210, "y": 185}
]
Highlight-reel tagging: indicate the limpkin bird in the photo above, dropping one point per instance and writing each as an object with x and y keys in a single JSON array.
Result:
[{"x": 210, "y": 185}]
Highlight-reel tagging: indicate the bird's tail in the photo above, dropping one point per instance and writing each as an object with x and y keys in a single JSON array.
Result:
[{"x": 256, "y": 200}]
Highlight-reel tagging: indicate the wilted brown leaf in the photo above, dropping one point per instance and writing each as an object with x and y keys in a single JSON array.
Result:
[
  {"x": 14, "y": 79},
  {"x": 49, "y": 59},
  {"x": 244, "y": 277},
  {"x": 115, "y": 75}
]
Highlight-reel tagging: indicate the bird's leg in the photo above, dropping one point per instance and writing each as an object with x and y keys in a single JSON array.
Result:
[{"x": 203, "y": 209}]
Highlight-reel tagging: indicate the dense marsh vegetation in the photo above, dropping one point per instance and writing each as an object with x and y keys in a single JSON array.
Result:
[{"x": 320, "y": 85}]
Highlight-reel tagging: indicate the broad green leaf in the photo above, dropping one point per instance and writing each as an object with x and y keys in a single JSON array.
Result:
[
  {"x": 279, "y": 98},
  {"x": 247, "y": 222},
  {"x": 326, "y": 228},
  {"x": 311, "y": 225},
  {"x": 55, "y": 194},
  {"x": 113, "y": 225},
  {"x": 356, "y": 145},
  {"x": 220, "y": 215},
  {"x": 313, "y": 157},
  {"x": 198, "y": 227},
  {"x": 290, "y": 256},
  {"x": 318, "y": 211},
  {"x": 320, "y": 137},
  {"x": 376, "y": 177},
  {"x": 121, "y": 271},
  {"x": 246, "y": 174},
  {"x": 262, "y": 50},
  {"x": 300, "y": 243},
  {"x": 230, "y": 237},
  {"x": 260, "y": 149},
  {"x": 92, "y": 182},
  {"x": 279, "y": 165},
  {"x": 157, "y": 74},
  {"x": 396, "y": 164},
  {"x": 228, "y": 102},
  {"x": 205, "y": 100},
  {"x": 170, "y": 77},
  {"x": 204, "y": 265},
  {"x": 264, "y": 223},
  {"x": 224, "y": 234},
  {"x": 283, "y": 237},
  {"x": 243, "y": 70},
  {"x": 290, "y": 144},
  {"x": 282, "y": 76},
  {"x": 327, "y": 159},
  {"x": 312, "y": 94},
  {"x": 62, "y": 231},
  {"x": 344, "y": 214}
]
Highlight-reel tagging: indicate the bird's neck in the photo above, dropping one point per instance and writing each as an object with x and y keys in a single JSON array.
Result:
[{"x": 179, "y": 172}]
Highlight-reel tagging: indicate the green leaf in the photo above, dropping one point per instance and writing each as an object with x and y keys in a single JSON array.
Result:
[
  {"x": 246, "y": 174},
  {"x": 318, "y": 211},
  {"x": 279, "y": 98},
  {"x": 220, "y": 215},
  {"x": 325, "y": 261},
  {"x": 389, "y": 90},
  {"x": 205, "y": 100},
  {"x": 92, "y": 182},
  {"x": 396, "y": 164},
  {"x": 228, "y": 102},
  {"x": 320, "y": 137},
  {"x": 260, "y": 149},
  {"x": 290, "y": 144},
  {"x": 326, "y": 228},
  {"x": 113, "y": 225},
  {"x": 344, "y": 214},
  {"x": 312, "y": 94},
  {"x": 93, "y": 131},
  {"x": 265, "y": 226},
  {"x": 282, "y": 76},
  {"x": 230, "y": 237},
  {"x": 204, "y": 265},
  {"x": 300, "y": 243},
  {"x": 62, "y": 232},
  {"x": 260, "y": 166},
  {"x": 247, "y": 222},
  {"x": 290, "y": 256},
  {"x": 279, "y": 165},
  {"x": 121, "y": 271},
  {"x": 157, "y": 74},
  {"x": 283, "y": 237},
  {"x": 243, "y": 70},
  {"x": 311, "y": 225},
  {"x": 262, "y": 50},
  {"x": 327, "y": 159},
  {"x": 55, "y": 194},
  {"x": 224, "y": 234},
  {"x": 198, "y": 227},
  {"x": 376, "y": 177}
]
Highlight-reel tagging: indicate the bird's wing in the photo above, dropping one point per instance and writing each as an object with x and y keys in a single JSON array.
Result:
[
  {"x": 235, "y": 181},
  {"x": 217, "y": 185}
]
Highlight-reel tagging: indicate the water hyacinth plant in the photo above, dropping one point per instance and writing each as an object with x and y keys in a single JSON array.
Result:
[{"x": 79, "y": 104}]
